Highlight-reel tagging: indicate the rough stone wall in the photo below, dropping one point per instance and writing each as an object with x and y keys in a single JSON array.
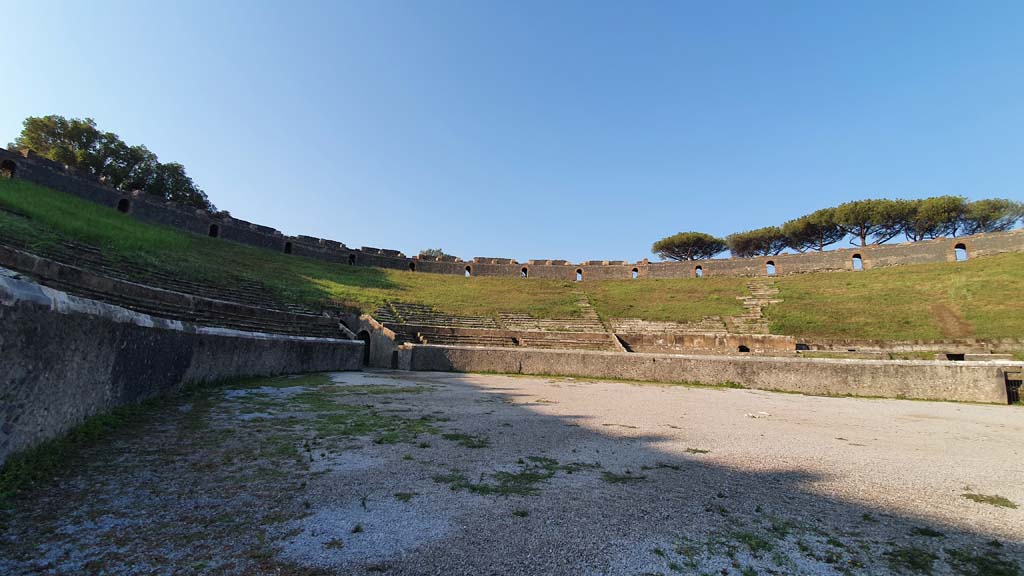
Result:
[
  {"x": 64, "y": 359},
  {"x": 719, "y": 343},
  {"x": 958, "y": 381},
  {"x": 41, "y": 171}
]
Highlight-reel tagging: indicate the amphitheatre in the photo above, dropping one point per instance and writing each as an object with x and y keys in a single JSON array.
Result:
[{"x": 186, "y": 392}]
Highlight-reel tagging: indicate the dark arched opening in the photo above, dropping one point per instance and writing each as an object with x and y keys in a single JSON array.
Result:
[
  {"x": 412, "y": 266},
  {"x": 351, "y": 259},
  {"x": 743, "y": 348},
  {"x": 769, "y": 268},
  {"x": 287, "y": 247},
  {"x": 858, "y": 263},
  {"x": 635, "y": 273},
  {"x": 8, "y": 169},
  {"x": 124, "y": 205},
  {"x": 469, "y": 271},
  {"x": 960, "y": 252},
  {"x": 698, "y": 272},
  {"x": 365, "y": 337},
  {"x": 524, "y": 273},
  {"x": 214, "y": 231},
  {"x": 579, "y": 275}
]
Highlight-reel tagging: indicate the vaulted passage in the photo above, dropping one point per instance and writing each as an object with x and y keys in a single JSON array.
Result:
[
  {"x": 351, "y": 259},
  {"x": 770, "y": 268},
  {"x": 469, "y": 271},
  {"x": 698, "y": 272},
  {"x": 365, "y": 337},
  {"x": 8, "y": 169},
  {"x": 579, "y": 275},
  {"x": 287, "y": 247},
  {"x": 858, "y": 263},
  {"x": 524, "y": 273},
  {"x": 960, "y": 250},
  {"x": 124, "y": 205},
  {"x": 214, "y": 231},
  {"x": 412, "y": 266},
  {"x": 635, "y": 273}
]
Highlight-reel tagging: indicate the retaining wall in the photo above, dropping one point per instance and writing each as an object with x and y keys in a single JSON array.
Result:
[
  {"x": 922, "y": 380},
  {"x": 41, "y": 171},
  {"x": 64, "y": 358}
]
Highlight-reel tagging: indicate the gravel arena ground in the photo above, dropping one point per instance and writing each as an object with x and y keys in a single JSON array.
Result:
[{"x": 428, "y": 473}]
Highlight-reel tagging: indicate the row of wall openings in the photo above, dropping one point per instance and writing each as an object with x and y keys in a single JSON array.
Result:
[
  {"x": 124, "y": 205},
  {"x": 8, "y": 169}
]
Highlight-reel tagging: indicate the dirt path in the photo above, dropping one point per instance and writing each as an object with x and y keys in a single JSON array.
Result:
[
  {"x": 950, "y": 322},
  {"x": 428, "y": 473}
]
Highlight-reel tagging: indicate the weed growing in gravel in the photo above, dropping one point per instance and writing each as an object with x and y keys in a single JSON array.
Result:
[
  {"x": 523, "y": 482},
  {"x": 754, "y": 542},
  {"x": 697, "y": 451},
  {"x": 467, "y": 441},
  {"x": 404, "y": 496},
  {"x": 520, "y": 513},
  {"x": 657, "y": 465},
  {"x": 613, "y": 478},
  {"x": 927, "y": 532},
  {"x": 334, "y": 544},
  {"x": 994, "y": 500},
  {"x": 911, "y": 558},
  {"x": 357, "y": 528},
  {"x": 989, "y": 564}
]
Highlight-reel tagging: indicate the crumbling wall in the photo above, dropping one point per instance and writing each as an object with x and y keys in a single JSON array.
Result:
[{"x": 36, "y": 169}]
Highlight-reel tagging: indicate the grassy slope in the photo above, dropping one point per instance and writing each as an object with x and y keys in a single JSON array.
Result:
[
  {"x": 979, "y": 298},
  {"x": 975, "y": 299}
]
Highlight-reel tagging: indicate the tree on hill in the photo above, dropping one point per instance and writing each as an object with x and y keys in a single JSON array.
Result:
[
  {"x": 813, "y": 231},
  {"x": 766, "y": 241},
  {"x": 80, "y": 144},
  {"x": 991, "y": 215},
  {"x": 689, "y": 246},
  {"x": 880, "y": 220},
  {"x": 934, "y": 217},
  {"x": 434, "y": 253}
]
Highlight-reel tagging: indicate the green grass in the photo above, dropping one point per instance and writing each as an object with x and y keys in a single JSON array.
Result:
[
  {"x": 999, "y": 501},
  {"x": 973, "y": 299}
]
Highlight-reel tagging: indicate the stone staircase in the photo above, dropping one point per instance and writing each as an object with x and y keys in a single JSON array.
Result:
[
  {"x": 422, "y": 315},
  {"x": 762, "y": 293}
]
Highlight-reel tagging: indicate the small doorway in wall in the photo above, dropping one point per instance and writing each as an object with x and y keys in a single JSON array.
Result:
[
  {"x": 351, "y": 259},
  {"x": 579, "y": 275},
  {"x": 124, "y": 205},
  {"x": 8, "y": 169},
  {"x": 698, "y": 272},
  {"x": 365, "y": 337},
  {"x": 412, "y": 266},
  {"x": 743, "y": 349},
  {"x": 287, "y": 247},
  {"x": 858, "y": 263},
  {"x": 1013, "y": 382},
  {"x": 769, "y": 268},
  {"x": 635, "y": 273},
  {"x": 214, "y": 231},
  {"x": 524, "y": 273},
  {"x": 469, "y": 271},
  {"x": 960, "y": 251}
]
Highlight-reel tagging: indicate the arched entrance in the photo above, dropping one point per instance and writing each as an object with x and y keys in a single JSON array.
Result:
[
  {"x": 124, "y": 205},
  {"x": 8, "y": 169},
  {"x": 365, "y": 337},
  {"x": 214, "y": 231}
]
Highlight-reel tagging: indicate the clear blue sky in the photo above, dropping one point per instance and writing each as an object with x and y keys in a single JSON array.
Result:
[{"x": 575, "y": 130}]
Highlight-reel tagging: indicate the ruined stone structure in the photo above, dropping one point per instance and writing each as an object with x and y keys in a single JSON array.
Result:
[{"x": 34, "y": 168}]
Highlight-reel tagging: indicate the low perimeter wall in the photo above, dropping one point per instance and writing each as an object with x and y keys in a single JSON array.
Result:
[
  {"x": 64, "y": 358},
  {"x": 919, "y": 380}
]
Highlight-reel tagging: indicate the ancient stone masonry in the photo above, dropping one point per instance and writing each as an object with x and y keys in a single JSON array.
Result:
[{"x": 33, "y": 168}]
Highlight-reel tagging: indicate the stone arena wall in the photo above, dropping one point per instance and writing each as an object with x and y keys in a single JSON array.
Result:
[
  {"x": 34, "y": 168},
  {"x": 919, "y": 380},
  {"x": 66, "y": 358}
]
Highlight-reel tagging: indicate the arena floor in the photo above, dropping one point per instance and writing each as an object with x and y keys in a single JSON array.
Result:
[{"x": 432, "y": 473}]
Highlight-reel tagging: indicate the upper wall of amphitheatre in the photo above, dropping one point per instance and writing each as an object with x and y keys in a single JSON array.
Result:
[{"x": 31, "y": 167}]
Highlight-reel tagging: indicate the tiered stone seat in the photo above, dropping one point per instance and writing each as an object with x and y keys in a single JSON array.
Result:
[
  {"x": 168, "y": 304},
  {"x": 518, "y": 321},
  {"x": 422, "y": 315},
  {"x": 568, "y": 341},
  {"x": 707, "y": 325}
]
